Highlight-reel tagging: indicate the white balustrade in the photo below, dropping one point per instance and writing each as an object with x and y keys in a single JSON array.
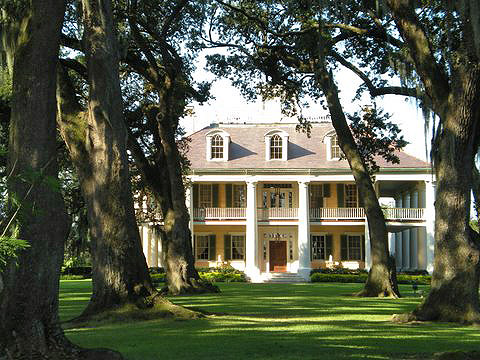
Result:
[
  {"x": 277, "y": 213},
  {"x": 359, "y": 213},
  {"x": 219, "y": 213}
]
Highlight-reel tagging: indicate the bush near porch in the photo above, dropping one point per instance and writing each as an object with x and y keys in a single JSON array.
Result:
[{"x": 360, "y": 276}]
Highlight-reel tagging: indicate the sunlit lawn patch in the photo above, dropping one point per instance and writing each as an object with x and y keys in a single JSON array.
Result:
[{"x": 274, "y": 321}]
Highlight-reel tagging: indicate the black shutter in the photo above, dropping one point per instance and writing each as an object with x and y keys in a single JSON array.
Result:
[
  {"x": 328, "y": 246},
  {"x": 195, "y": 195},
  {"x": 360, "y": 199},
  {"x": 228, "y": 195},
  {"x": 311, "y": 247},
  {"x": 326, "y": 190},
  {"x": 344, "y": 247},
  {"x": 340, "y": 195},
  {"x": 215, "y": 195},
  {"x": 227, "y": 243},
  {"x": 212, "y": 254}
]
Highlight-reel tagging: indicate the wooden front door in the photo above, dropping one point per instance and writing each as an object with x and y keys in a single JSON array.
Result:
[{"x": 278, "y": 256}]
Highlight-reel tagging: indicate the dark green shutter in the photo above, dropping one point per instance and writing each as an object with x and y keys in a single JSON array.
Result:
[
  {"x": 214, "y": 195},
  {"x": 244, "y": 202},
  {"x": 340, "y": 195},
  {"x": 227, "y": 243},
  {"x": 320, "y": 202},
  {"x": 344, "y": 247},
  {"x": 326, "y": 190},
  {"x": 212, "y": 254},
  {"x": 362, "y": 247},
  {"x": 195, "y": 195},
  {"x": 311, "y": 247},
  {"x": 228, "y": 195},
  {"x": 328, "y": 246}
]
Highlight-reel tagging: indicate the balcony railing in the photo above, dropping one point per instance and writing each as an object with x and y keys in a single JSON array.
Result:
[
  {"x": 264, "y": 214},
  {"x": 219, "y": 214},
  {"x": 359, "y": 213}
]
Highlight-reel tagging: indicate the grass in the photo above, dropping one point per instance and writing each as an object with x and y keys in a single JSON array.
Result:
[{"x": 273, "y": 321}]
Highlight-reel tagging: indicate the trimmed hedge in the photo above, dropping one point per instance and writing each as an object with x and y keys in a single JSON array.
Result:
[
  {"x": 211, "y": 276},
  {"x": 362, "y": 277}
]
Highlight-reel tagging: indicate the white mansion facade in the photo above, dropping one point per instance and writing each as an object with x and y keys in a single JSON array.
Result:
[{"x": 265, "y": 198}]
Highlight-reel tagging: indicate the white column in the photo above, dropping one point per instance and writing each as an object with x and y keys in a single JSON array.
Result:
[
  {"x": 146, "y": 243},
  {"x": 406, "y": 237},
  {"x": 391, "y": 243},
  {"x": 154, "y": 248},
  {"x": 251, "y": 252},
  {"x": 430, "y": 222},
  {"x": 189, "y": 204},
  {"x": 398, "y": 239},
  {"x": 304, "y": 264},
  {"x": 414, "y": 234},
  {"x": 367, "y": 249}
]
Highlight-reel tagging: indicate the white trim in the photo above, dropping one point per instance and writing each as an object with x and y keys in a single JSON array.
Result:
[
  {"x": 284, "y": 136},
  {"x": 226, "y": 144}
]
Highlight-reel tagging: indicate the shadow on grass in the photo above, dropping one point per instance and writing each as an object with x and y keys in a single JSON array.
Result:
[{"x": 276, "y": 321}]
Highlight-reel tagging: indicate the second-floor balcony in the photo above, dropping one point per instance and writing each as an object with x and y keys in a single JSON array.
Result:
[{"x": 318, "y": 214}]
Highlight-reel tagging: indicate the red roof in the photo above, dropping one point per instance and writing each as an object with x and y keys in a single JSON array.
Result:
[{"x": 247, "y": 149}]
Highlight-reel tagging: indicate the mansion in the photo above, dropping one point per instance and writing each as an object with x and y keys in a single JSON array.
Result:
[{"x": 265, "y": 198}]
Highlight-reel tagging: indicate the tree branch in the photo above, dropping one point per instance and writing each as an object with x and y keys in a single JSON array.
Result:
[{"x": 433, "y": 76}]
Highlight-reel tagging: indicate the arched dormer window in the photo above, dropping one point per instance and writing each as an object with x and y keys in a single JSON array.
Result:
[
  {"x": 276, "y": 145},
  {"x": 217, "y": 147},
  {"x": 334, "y": 152},
  {"x": 218, "y": 143}
]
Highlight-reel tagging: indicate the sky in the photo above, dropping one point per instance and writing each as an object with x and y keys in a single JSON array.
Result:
[{"x": 230, "y": 106}]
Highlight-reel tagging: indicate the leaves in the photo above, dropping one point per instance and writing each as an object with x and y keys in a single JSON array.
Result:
[{"x": 10, "y": 248}]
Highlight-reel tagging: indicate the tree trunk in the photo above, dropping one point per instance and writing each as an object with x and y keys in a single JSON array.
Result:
[
  {"x": 381, "y": 281},
  {"x": 29, "y": 324},
  {"x": 168, "y": 189},
  {"x": 97, "y": 144},
  {"x": 455, "y": 281},
  {"x": 182, "y": 277}
]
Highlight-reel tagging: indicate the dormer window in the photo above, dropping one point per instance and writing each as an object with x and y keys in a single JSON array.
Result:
[
  {"x": 276, "y": 145},
  {"x": 217, "y": 147},
  {"x": 334, "y": 152},
  {"x": 218, "y": 143}
]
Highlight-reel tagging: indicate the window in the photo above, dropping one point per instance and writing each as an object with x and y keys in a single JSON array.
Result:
[
  {"x": 316, "y": 196},
  {"x": 202, "y": 247},
  {"x": 205, "y": 195},
  {"x": 321, "y": 247},
  {"x": 275, "y": 147},
  {"x": 351, "y": 195},
  {"x": 238, "y": 247},
  {"x": 335, "y": 151},
  {"x": 217, "y": 147},
  {"x": 352, "y": 247},
  {"x": 239, "y": 196},
  {"x": 234, "y": 247}
]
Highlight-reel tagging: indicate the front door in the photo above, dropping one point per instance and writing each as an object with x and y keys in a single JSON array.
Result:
[{"x": 278, "y": 256}]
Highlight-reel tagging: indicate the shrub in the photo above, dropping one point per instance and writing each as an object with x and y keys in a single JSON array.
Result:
[
  {"x": 156, "y": 270},
  {"x": 72, "y": 277},
  {"x": 85, "y": 271},
  {"x": 362, "y": 277},
  {"x": 223, "y": 277},
  {"x": 157, "y": 278}
]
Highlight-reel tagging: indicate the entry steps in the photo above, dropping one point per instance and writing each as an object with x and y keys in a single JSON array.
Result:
[{"x": 282, "y": 278}]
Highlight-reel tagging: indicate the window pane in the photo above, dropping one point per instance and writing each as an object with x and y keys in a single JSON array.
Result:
[
  {"x": 217, "y": 147},
  {"x": 354, "y": 247},
  {"x": 238, "y": 247},
  {"x": 205, "y": 195},
  {"x": 335, "y": 148},
  {"x": 275, "y": 147},
  {"x": 316, "y": 196},
  {"x": 202, "y": 247},
  {"x": 318, "y": 247},
  {"x": 239, "y": 196},
  {"x": 350, "y": 195}
]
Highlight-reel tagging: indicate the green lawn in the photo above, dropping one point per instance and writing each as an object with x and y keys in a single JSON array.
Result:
[{"x": 274, "y": 321}]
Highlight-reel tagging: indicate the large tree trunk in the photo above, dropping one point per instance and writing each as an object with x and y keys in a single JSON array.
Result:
[
  {"x": 455, "y": 99},
  {"x": 29, "y": 324},
  {"x": 97, "y": 144},
  {"x": 455, "y": 281},
  {"x": 182, "y": 277},
  {"x": 168, "y": 189},
  {"x": 381, "y": 281}
]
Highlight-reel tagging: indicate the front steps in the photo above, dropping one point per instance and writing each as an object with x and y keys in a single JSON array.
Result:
[{"x": 281, "y": 278}]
